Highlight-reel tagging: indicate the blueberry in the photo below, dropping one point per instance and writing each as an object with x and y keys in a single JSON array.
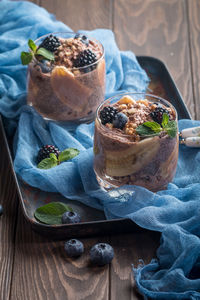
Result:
[
  {"x": 78, "y": 35},
  {"x": 84, "y": 40},
  {"x": 45, "y": 66},
  {"x": 120, "y": 120},
  {"x": 70, "y": 217},
  {"x": 74, "y": 248},
  {"x": 101, "y": 254},
  {"x": 1, "y": 210}
]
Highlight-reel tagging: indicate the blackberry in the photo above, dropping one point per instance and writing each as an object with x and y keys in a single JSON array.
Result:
[
  {"x": 107, "y": 114},
  {"x": 157, "y": 114},
  {"x": 85, "y": 58},
  {"x": 50, "y": 43},
  {"x": 45, "y": 151}
]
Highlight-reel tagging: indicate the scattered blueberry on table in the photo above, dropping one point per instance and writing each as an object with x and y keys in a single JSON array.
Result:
[
  {"x": 70, "y": 217},
  {"x": 101, "y": 254},
  {"x": 74, "y": 248}
]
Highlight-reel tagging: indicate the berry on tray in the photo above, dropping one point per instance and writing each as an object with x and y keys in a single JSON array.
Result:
[
  {"x": 120, "y": 120},
  {"x": 50, "y": 43},
  {"x": 107, "y": 114},
  {"x": 101, "y": 254},
  {"x": 74, "y": 248},
  {"x": 45, "y": 151},
  {"x": 157, "y": 114},
  {"x": 70, "y": 217}
]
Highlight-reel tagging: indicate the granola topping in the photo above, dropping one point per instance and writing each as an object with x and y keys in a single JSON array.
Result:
[
  {"x": 70, "y": 49},
  {"x": 137, "y": 112}
]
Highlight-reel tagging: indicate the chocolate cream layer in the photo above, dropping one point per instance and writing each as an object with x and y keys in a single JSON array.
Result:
[
  {"x": 122, "y": 158},
  {"x": 60, "y": 91}
]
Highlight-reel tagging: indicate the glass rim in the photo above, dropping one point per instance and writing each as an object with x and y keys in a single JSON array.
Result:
[
  {"x": 129, "y": 94},
  {"x": 134, "y": 93},
  {"x": 72, "y": 32}
]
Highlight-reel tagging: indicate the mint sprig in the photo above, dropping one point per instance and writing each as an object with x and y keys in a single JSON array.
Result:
[
  {"x": 51, "y": 213},
  {"x": 48, "y": 163},
  {"x": 45, "y": 53},
  {"x": 26, "y": 57},
  {"x": 171, "y": 129},
  {"x": 53, "y": 161},
  {"x": 154, "y": 128},
  {"x": 165, "y": 120}
]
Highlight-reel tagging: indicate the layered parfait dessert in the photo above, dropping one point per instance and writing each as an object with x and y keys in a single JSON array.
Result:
[
  {"x": 136, "y": 142},
  {"x": 66, "y": 77}
]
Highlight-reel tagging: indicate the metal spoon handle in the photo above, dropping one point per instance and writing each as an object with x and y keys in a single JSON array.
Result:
[
  {"x": 193, "y": 142},
  {"x": 190, "y": 132}
]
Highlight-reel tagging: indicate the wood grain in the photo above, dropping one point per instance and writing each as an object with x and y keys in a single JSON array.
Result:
[
  {"x": 129, "y": 248},
  {"x": 42, "y": 270},
  {"x": 194, "y": 30},
  {"x": 79, "y": 14},
  {"x": 40, "y": 267},
  {"x": 157, "y": 28},
  {"x": 9, "y": 201}
]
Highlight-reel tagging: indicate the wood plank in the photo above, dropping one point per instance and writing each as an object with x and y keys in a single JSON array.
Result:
[
  {"x": 35, "y": 1},
  {"x": 42, "y": 269},
  {"x": 9, "y": 201},
  {"x": 79, "y": 14},
  {"x": 157, "y": 28},
  {"x": 129, "y": 248},
  {"x": 194, "y": 34}
]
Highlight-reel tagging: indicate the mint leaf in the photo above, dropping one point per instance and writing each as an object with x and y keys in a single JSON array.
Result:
[
  {"x": 68, "y": 154},
  {"x": 153, "y": 125},
  {"x": 48, "y": 163},
  {"x": 51, "y": 213},
  {"x": 171, "y": 128},
  {"x": 144, "y": 131},
  {"x": 26, "y": 57},
  {"x": 32, "y": 45},
  {"x": 165, "y": 120},
  {"x": 45, "y": 53}
]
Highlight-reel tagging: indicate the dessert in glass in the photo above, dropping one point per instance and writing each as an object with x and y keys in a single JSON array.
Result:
[
  {"x": 136, "y": 142},
  {"x": 70, "y": 86}
]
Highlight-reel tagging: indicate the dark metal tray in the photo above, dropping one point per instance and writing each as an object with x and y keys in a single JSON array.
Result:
[{"x": 93, "y": 220}]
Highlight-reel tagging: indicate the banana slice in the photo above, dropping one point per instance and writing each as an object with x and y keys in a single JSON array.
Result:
[
  {"x": 68, "y": 89},
  {"x": 131, "y": 160},
  {"x": 126, "y": 100}
]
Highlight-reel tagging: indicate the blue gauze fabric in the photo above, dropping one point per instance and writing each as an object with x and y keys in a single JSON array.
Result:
[{"x": 175, "y": 212}]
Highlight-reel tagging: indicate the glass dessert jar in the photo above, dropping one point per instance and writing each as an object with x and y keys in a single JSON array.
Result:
[
  {"x": 71, "y": 86},
  {"x": 136, "y": 141}
]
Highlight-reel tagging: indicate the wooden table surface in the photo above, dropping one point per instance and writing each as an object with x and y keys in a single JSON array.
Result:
[{"x": 33, "y": 267}]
